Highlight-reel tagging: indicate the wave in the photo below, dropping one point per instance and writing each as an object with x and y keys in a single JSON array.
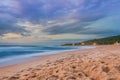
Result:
[
  {"x": 10, "y": 60},
  {"x": 20, "y": 55}
]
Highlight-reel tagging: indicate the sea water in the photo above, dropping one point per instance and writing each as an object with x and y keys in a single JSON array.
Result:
[{"x": 12, "y": 54}]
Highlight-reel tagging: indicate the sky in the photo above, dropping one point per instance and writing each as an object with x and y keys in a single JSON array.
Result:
[{"x": 57, "y": 21}]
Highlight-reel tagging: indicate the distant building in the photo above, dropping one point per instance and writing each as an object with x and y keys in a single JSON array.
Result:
[
  {"x": 94, "y": 44},
  {"x": 116, "y": 43},
  {"x": 82, "y": 43}
]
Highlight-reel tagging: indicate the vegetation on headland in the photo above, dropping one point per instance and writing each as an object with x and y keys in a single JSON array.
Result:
[{"x": 101, "y": 41}]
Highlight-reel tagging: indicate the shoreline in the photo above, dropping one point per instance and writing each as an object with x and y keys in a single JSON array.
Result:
[
  {"x": 29, "y": 57},
  {"x": 94, "y": 54},
  {"x": 44, "y": 59}
]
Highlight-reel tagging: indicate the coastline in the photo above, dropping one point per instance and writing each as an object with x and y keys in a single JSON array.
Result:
[
  {"x": 12, "y": 60},
  {"x": 87, "y": 55}
]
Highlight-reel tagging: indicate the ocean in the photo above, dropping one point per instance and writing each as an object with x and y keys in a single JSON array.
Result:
[{"x": 11, "y": 54}]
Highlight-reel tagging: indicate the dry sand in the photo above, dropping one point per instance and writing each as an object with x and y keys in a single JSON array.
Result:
[{"x": 100, "y": 63}]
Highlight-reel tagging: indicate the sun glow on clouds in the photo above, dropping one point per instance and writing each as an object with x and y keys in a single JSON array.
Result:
[
  {"x": 18, "y": 38},
  {"x": 11, "y": 36}
]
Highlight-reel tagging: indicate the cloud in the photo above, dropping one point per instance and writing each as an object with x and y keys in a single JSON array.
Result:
[
  {"x": 74, "y": 25},
  {"x": 8, "y": 28},
  {"x": 11, "y": 36},
  {"x": 47, "y": 18},
  {"x": 10, "y": 6},
  {"x": 8, "y": 25}
]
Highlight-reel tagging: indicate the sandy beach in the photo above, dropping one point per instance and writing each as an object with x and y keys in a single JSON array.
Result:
[{"x": 100, "y": 63}]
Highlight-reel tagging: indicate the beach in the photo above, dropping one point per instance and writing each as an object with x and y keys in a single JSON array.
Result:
[{"x": 99, "y": 63}]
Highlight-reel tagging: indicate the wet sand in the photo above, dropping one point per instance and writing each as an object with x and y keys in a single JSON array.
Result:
[{"x": 100, "y": 63}]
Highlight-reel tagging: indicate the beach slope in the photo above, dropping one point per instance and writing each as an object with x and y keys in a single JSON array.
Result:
[{"x": 100, "y": 63}]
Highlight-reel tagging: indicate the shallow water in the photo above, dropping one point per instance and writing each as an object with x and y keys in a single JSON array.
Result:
[{"x": 14, "y": 54}]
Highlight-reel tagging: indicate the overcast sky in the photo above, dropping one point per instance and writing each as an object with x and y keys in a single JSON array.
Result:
[{"x": 40, "y": 21}]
